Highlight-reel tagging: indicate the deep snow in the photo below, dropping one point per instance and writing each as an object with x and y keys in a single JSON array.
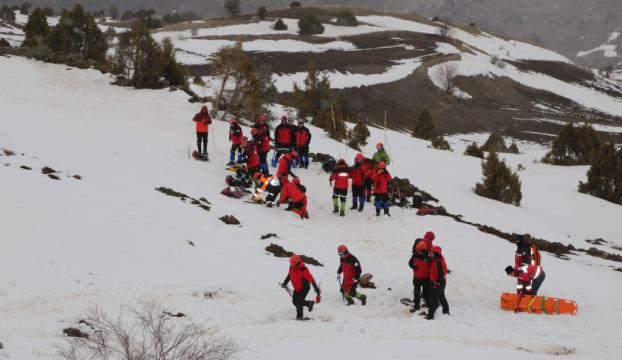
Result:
[{"x": 110, "y": 239}]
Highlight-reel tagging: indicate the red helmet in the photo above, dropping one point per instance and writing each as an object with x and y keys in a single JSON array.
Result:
[
  {"x": 262, "y": 118},
  {"x": 359, "y": 157},
  {"x": 341, "y": 162},
  {"x": 296, "y": 181},
  {"x": 294, "y": 260},
  {"x": 437, "y": 250},
  {"x": 379, "y": 145},
  {"x": 257, "y": 175},
  {"x": 284, "y": 118},
  {"x": 429, "y": 236},
  {"x": 342, "y": 250},
  {"x": 422, "y": 246},
  {"x": 254, "y": 131},
  {"x": 294, "y": 154},
  {"x": 233, "y": 120},
  {"x": 382, "y": 165}
]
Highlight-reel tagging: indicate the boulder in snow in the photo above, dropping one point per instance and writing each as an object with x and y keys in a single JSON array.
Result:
[{"x": 230, "y": 220}]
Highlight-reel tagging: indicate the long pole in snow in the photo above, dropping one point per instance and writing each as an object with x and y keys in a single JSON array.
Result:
[
  {"x": 335, "y": 127},
  {"x": 386, "y": 142}
]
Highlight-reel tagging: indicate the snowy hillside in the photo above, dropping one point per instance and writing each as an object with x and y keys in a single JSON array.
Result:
[{"x": 109, "y": 239}]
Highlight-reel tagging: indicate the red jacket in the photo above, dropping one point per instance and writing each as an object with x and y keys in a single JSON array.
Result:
[
  {"x": 340, "y": 176},
  {"x": 299, "y": 275},
  {"x": 283, "y": 135},
  {"x": 351, "y": 269},
  {"x": 366, "y": 167},
  {"x": 428, "y": 238},
  {"x": 291, "y": 192},
  {"x": 235, "y": 134},
  {"x": 285, "y": 166},
  {"x": 438, "y": 268},
  {"x": 302, "y": 137},
  {"x": 202, "y": 120},
  {"x": 532, "y": 272},
  {"x": 252, "y": 159},
  {"x": 262, "y": 137},
  {"x": 420, "y": 265},
  {"x": 381, "y": 181}
]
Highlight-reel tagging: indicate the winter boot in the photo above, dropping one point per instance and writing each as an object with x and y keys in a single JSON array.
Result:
[
  {"x": 361, "y": 207},
  {"x": 310, "y": 305},
  {"x": 349, "y": 301},
  {"x": 377, "y": 211},
  {"x": 363, "y": 299},
  {"x": 342, "y": 213},
  {"x": 386, "y": 212},
  {"x": 335, "y": 209},
  {"x": 414, "y": 309},
  {"x": 353, "y": 207}
]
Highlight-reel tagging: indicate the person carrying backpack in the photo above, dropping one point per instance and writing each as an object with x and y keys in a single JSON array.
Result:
[
  {"x": 340, "y": 177},
  {"x": 302, "y": 280},
  {"x": 420, "y": 263},
  {"x": 350, "y": 267},
  {"x": 438, "y": 275}
]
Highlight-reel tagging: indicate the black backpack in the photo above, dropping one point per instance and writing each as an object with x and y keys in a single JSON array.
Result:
[{"x": 329, "y": 165}]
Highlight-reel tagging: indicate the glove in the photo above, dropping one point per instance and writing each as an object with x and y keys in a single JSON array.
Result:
[
  {"x": 278, "y": 204},
  {"x": 284, "y": 285},
  {"x": 516, "y": 310},
  {"x": 509, "y": 270},
  {"x": 318, "y": 298}
]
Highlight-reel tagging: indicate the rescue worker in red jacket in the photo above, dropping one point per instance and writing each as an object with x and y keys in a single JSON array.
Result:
[
  {"x": 359, "y": 173},
  {"x": 367, "y": 168},
  {"x": 526, "y": 253},
  {"x": 350, "y": 267},
  {"x": 420, "y": 263},
  {"x": 529, "y": 279},
  {"x": 293, "y": 192},
  {"x": 250, "y": 156},
  {"x": 438, "y": 274},
  {"x": 302, "y": 137},
  {"x": 283, "y": 139},
  {"x": 381, "y": 178},
  {"x": 340, "y": 177},
  {"x": 261, "y": 136},
  {"x": 302, "y": 280},
  {"x": 285, "y": 167},
  {"x": 235, "y": 137},
  {"x": 202, "y": 120},
  {"x": 428, "y": 238}
]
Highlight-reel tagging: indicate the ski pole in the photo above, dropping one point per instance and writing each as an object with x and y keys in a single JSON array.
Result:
[{"x": 289, "y": 291}]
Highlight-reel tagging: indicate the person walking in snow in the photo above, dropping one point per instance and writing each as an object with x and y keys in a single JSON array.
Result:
[
  {"x": 302, "y": 139},
  {"x": 381, "y": 155},
  {"x": 261, "y": 136},
  {"x": 340, "y": 177},
  {"x": 438, "y": 275},
  {"x": 350, "y": 267},
  {"x": 202, "y": 120},
  {"x": 268, "y": 184},
  {"x": 285, "y": 167},
  {"x": 235, "y": 137},
  {"x": 302, "y": 280},
  {"x": 283, "y": 139},
  {"x": 420, "y": 264},
  {"x": 359, "y": 173},
  {"x": 294, "y": 192},
  {"x": 381, "y": 178}
]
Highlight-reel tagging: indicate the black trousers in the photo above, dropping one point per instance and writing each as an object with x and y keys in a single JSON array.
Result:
[
  {"x": 299, "y": 299},
  {"x": 273, "y": 192},
  {"x": 368, "y": 187},
  {"x": 437, "y": 295},
  {"x": 202, "y": 139},
  {"x": 421, "y": 290}
]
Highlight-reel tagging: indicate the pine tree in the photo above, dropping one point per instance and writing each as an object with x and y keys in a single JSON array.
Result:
[
  {"x": 424, "y": 126},
  {"x": 574, "y": 146},
  {"x": 314, "y": 97},
  {"x": 474, "y": 150},
  {"x": 279, "y": 25},
  {"x": 310, "y": 25},
  {"x": 499, "y": 182},
  {"x": 604, "y": 178},
  {"x": 358, "y": 136},
  {"x": 439, "y": 142},
  {"x": 36, "y": 29},
  {"x": 171, "y": 69},
  {"x": 7, "y": 14},
  {"x": 77, "y": 32},
  {"x": 495, "y": 143},
  {"x": 261, "y": 12},
  {"x": 346, "y": 18}
]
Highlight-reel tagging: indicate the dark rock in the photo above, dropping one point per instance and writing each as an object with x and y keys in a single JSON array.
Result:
[
  {"x": 1, "y": 346},
  {"x": 171, "y": 192},
  {"x": 616, "y": 269},
  {"x": 25, "y": 167},
  {"x": 4, "y": 44},
  {"x": 596, "y": 241},
  {"x": 48, "y": 170},
  {"x": 230, "y": 220},
  {"x": 77, "y": 177},
  {"x": 205, "y": 207},
  {"x": 278, "y": 251},
  {"x": 179, "y": 315},
  {"x": 190, "y": 243},
  {"x": 73, "y": 332},
  {"x": 267, "y": 236},
  {"x": 53, "y": 177},
  {"x": 205, "y": 200},
  {"x": 8, "y": 152}
]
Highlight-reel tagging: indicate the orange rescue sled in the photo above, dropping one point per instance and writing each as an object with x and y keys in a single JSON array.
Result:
[{"x": 539, "y": 304}]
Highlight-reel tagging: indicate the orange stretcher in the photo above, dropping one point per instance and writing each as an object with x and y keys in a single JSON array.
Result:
[{"x": 539, "y": 304}]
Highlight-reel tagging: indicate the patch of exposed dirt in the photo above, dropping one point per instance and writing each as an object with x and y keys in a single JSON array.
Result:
[
  {"x": 48, "y": 170},
  {"x": 560, "y": 70},
  {"x": 25, "y": 167},
  {"x": 74, "y": 332},
  {"x": 53, "y": 177},
  {"x": 278, "y": 251},
  {"x": 8, "y": 152},
  {"x": 201, "y": 203},
  {"x": 229, "y": 220},
  {"x": 268, "y": 236}
]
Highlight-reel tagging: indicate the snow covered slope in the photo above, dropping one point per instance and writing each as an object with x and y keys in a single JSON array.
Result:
[{"x": 110, "y": 239}]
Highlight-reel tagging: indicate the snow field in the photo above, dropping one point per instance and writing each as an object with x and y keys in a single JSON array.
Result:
[{"x": 111, "y": 240}]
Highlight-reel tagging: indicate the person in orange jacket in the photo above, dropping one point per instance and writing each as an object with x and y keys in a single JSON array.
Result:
[
  {"x": 202, "y": 120},
  {"x": 381, "y": 178},
  {"x": 269, "y": 184},
  {"x": 302, "y": 280},
  {"x": 294, "y": 192}
]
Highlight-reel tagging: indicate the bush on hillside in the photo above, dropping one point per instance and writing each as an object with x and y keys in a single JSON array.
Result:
[
  {"x": 424, "y": 126},
  {"x": 295, "y": 4},
  {"x": 7, "y": 14},
  {"x": 279, "y": 25},
  {"x": 439, "y": 142},
  {"x": 77, "y": 33},
  {"x": 346, "y": 18},
  {"x": 4, "y": 44},
  {"x": 36, "y": 29},
  {"x": 310, "y": 25},
  {"x": 233, "y": 7},
  {"x": 261, "y": 12},
  {"x": 495, "y": 143},
  {"x": 604, "y": 178},
  {"x": 513, "y": 149},
  {"x": 574, "y": 146},
  {"x": 358, "y": 136},
  {"x": 474, "y": 150},
  {"x": 48, "y": 11},
  {"x": 499, "y": 182},
  {"x": 25, "y": 8}
]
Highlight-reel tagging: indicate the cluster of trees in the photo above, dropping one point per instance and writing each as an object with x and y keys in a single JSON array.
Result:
[
  {"x": 328, "y": 112},
  {"x": 175, "y": 17},
  {"x": 499, "y": 182},
  {"x": 7, "y": 14},
  {"x": 346, "y": 18},
  {"x": 310, "y": 25},
  {"x": 426, "y": 130},
  {"x": 252, "y": 86},
  {"x": 582, "y": 146}
]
